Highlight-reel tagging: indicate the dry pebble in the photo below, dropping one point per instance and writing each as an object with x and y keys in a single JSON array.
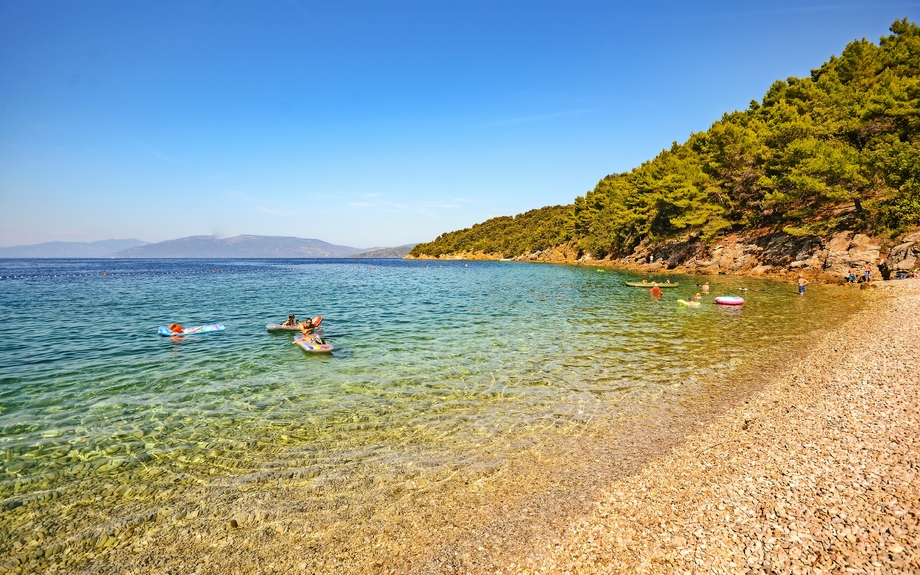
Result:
[{"x": 818, "y": 473}]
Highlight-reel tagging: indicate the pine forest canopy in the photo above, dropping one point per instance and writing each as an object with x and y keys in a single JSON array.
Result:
[{"x": 837, "y": 150}]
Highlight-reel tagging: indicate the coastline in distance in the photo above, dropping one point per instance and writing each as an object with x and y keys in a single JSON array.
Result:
[{"x": 243, "y": 246}]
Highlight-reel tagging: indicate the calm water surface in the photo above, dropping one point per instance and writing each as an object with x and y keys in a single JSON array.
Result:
[{"x": 446, "y": 363}]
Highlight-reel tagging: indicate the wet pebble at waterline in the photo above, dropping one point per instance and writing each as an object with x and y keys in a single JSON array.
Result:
[{"x": 114, "y": 439}]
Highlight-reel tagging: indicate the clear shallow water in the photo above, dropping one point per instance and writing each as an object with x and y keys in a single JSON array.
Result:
[{"x": 446, "y": 364}]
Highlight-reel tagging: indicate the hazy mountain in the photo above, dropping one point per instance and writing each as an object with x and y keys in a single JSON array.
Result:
[
  {"x": 397, "y": 252},
  {"x": 239, "y": 247},
  {"x": 100, "y": 249}
]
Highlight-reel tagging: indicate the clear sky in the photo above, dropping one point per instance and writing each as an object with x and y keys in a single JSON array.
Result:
[{"x": 366, "y": 123}]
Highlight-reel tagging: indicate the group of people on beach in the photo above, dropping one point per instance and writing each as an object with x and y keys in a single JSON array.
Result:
[{"x": 866, "y": 275}]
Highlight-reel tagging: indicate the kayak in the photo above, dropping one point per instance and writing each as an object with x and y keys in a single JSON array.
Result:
[
  {"x": 316, "y": 321},
  {"x": 729, "y": 300},
  {"x": 312, "y": 345},
  {"x": 166, "y": 332},
  {"x": 688, "y": 303},
  {"x": 650, "y": 284}
]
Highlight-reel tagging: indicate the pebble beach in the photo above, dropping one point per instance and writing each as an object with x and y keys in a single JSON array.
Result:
[
  {"x": 808, "y": 465},
  {"x": 817, "y": 473}
]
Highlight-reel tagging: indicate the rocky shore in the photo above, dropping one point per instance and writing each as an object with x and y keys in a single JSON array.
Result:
[
  {"x": 759, "y": 253},
  {"x": 818, "y": 473}
]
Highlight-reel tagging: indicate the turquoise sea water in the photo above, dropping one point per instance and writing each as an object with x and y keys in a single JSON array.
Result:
[{"x": 452, "y": 362}]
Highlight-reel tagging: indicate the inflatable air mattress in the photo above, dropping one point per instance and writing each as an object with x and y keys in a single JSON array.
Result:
[
  {"x": 313, "y": 345},
  {"x": 316, "y": 321},
  {"x": 166, "y": 332}
]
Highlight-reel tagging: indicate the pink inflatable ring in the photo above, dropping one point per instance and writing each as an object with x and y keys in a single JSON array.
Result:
[{"x": 729, "y": 300}]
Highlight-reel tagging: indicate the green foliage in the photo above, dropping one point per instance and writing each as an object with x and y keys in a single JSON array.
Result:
[
  {"x": 837, "y": 150},
  {"x": 506, "y": 236}
]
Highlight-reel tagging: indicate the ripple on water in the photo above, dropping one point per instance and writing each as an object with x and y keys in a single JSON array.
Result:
[{"x": 455, "y": 368}]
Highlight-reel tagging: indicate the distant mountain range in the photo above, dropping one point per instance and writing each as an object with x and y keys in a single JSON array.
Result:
[
  {"x": 100, "y": 249},
  {"x": 397, "y": 252},
  {"x": 239, "y": 247},
  {"x": 203, "y": 247}
]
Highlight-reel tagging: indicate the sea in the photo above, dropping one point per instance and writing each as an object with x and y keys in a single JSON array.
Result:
[{"x": 446, "y": 376}]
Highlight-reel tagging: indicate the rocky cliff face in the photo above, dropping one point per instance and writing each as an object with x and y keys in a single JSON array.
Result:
[{"x": 755, "y": 253}]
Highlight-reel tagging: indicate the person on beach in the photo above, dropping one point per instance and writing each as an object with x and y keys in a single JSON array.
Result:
[
  {"x": 705, "y": 287},
  {"x": 291, "y": 321},
  {"x": 867, "y": 274},
  {"x": 852, "y": 277},
  {"x": 802, "y": 283}
]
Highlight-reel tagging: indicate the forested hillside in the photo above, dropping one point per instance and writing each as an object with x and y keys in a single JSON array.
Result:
[
  {"x": 508, "y": 236},
  {"x": 837, "y": 150}
]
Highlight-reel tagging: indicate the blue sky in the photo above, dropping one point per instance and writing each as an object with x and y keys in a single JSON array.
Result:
[{"x": 366, "y": 123}]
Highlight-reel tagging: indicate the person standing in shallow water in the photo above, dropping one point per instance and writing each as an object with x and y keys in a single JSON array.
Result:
[
  {"x": 867, "y": 274},
  {"x": 705, "y": 287},
  {"x": 802, "y": 283}
]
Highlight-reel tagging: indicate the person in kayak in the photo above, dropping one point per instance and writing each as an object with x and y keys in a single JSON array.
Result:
[{"x": 291, "y": 320}]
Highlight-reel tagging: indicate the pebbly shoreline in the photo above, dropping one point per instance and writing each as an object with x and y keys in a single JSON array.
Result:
[
  {"x": 817, "y": 473},
  {"x": 815, "y": 470}
]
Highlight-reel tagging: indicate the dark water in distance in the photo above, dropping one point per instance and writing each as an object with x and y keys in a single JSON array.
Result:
[{"x": 427, "y": 354}]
